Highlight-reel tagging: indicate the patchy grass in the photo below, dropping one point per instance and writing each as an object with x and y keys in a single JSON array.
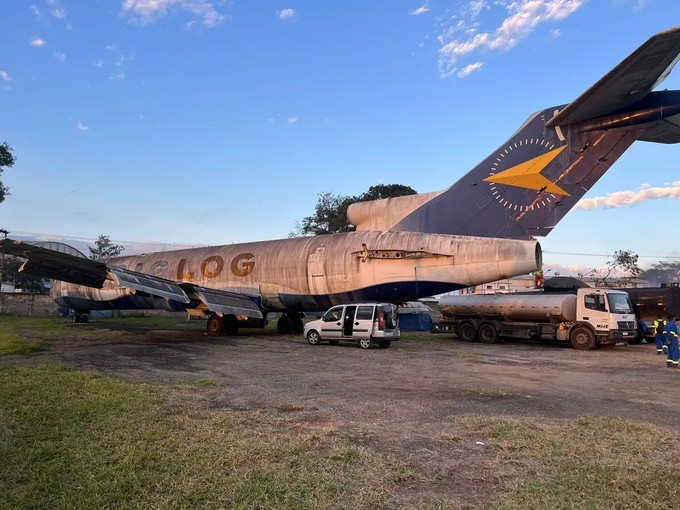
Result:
[
  {"x": 589, "y": 463},
  {"x": 12, "y": 341},
  {"x": 74, "y": 439}
]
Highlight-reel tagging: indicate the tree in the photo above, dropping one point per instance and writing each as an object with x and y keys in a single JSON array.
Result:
[
  {"x": 104, "y": 248},
  {"x": 26, "y": 282},
  {"x": 6, "y": 160},
  {"x": 330, "y": 216},
  {"x": 621, "y": 267},
  {"x": 662, "y": 272}
]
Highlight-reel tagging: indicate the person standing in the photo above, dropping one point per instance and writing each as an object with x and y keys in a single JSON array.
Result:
[
  {"x": 660, "y": 335},
  {"x": 672, "y": 341}
]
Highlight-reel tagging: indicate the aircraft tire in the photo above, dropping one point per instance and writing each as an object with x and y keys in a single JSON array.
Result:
[
  {"x": 230, "y": 326},
  {"x": 284, "y": 326},
  {"x": 215, "y": 325},
  {"x": 298, "y": 326}
]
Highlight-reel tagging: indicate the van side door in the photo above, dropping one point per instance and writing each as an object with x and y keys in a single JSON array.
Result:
[
  {"x": 348, "y": 321},
  {"x": 363, "y": 321}
]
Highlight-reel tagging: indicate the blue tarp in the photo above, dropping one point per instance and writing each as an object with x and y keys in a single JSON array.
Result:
[{"x": 415, "y": 322}]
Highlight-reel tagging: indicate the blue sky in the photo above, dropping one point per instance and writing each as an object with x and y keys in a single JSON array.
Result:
[{"x": 215, "y": 122}]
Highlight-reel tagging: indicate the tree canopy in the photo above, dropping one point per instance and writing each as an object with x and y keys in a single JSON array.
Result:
[
  {"x": 26, "y": 282},
  {"x": 330, "y": 213},
  {"x": 104, "y": 248},
  {"x": 621, "y": 269},
  {"x": 6, "y": 160},
  {"x": 662, "y": 272}
]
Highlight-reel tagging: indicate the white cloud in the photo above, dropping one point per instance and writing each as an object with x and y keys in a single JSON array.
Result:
[
  {"x": 523, "y": 17},
  {"x": 82, "y": 127},
  {"x": 555, "y": 33},
  {"x": 4, "y": 76},
  {"x": 146, "y": 12},
  {"x": 118, "y": 77},
  {"x": 469, "y": 69},
  {"x": 59, "y": 56},
  {"x": 99, "y": 64},
  {"x": 420, "y": 10},
  {"x": 293, "y": 120},
  {"x": 286, "y": 14},
  {"x": 36, "y": 12},
  {"x": 37, "y": 42},
  {"x": 56, "y": 9},
  {"x": 626, "y": 198}
]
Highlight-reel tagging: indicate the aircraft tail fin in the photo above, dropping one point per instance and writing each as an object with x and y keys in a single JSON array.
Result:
[{"x": 525, "y": 187}]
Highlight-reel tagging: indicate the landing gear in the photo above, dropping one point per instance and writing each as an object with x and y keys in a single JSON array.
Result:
[
  {"x": 218, "y": 325},
  {"x": 79, "y": 318},
  {"x": 289, "y": 324},
  {"x": 215, "y": 325}
]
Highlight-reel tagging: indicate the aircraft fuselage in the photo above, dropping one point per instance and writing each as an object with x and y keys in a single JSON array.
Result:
[{"x": 314, "y": 273}]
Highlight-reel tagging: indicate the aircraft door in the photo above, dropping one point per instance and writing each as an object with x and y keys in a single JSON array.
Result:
[
  {"x": 316, "y": 274},
  {"x": 348, "y": 320},
  {"x": 363, "y": 321}
]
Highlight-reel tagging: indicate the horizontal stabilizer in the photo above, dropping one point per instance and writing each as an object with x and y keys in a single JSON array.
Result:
[{"x": 627, "y": 83}]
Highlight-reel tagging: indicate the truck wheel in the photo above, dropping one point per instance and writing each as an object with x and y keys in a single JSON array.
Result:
[
  {"x": 582, "y": 338},
  {"x": 640, "y": 336},
  {"x": 467, "y": 332},
  {"x": 215, "y": 325},
  {"x": 488, "y": 334}
]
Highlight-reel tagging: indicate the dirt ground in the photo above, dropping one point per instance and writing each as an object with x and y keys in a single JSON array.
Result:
[{"x": 403, "y": 401}]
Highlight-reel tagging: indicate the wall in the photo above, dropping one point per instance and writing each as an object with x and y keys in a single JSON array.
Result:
[{"x": 27, "y": 304}]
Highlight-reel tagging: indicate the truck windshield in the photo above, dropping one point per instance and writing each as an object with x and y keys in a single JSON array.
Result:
[{"x": 619, "y": 303}]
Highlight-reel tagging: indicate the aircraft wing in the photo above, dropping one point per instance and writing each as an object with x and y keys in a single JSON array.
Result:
[
  {"x": 628, "y": 82},
  {"x": 73, "y": 267}
]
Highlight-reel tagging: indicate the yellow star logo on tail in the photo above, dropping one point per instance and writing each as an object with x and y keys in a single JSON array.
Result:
[{"x": 528, "y": 174}]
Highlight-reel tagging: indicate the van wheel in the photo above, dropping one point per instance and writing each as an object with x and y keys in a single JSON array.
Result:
[
  {"x": 384, "y": 343},
  {"x": 313, "y": 337},
  {"x": 365, "y": 343},
  {"x": 467, "y": 332},
  {"x": 488, "y": 334},
  {"x": 582, "y": 338}
]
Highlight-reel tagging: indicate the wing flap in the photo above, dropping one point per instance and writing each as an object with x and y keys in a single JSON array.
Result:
[
  {"x": 627, "y": 83},
  {"x": 149, "y": 284},
  {"x": 224, "y": 302}
]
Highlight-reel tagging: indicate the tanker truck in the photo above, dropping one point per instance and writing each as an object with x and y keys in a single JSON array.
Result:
[{"x": 586, "y": 317}]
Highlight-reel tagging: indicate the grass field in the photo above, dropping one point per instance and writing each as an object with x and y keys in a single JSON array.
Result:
[{"x": 77, "y": 439}]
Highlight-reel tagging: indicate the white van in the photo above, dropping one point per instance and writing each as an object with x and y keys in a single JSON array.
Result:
[{"x": 367, "y": 324}]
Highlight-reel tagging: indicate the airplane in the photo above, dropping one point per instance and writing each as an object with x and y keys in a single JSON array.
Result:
[{"x": 481, "y": 229}]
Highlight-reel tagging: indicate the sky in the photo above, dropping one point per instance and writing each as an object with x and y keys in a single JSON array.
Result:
[{"x": 174, "y": 123}]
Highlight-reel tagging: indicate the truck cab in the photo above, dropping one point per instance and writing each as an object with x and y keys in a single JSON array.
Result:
[{"x": 608, "y": 313}]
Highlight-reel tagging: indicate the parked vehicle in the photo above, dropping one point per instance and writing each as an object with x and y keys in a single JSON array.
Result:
[
  {"x": 585, "y": 316},
  {"x": 367, "y": 324},
  {"x": 652, "y": 302}
]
